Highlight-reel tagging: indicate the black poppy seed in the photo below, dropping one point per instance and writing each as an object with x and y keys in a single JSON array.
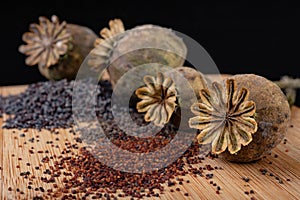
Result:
[
  {"x": 218, "y": 188},
  {"x": 246, "y": 192},
  {"x": 246, "y": 179},
  {"x": 171, "y": 183},
  {"x": 263, "y": 171},
  {"x": 251, "y": 191},
  {"x": 38, "y": 198}
]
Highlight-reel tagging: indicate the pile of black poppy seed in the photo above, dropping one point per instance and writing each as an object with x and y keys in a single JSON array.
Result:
[{"x": 44, "y": 105}]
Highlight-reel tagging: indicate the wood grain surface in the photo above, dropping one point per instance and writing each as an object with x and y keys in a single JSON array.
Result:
[{"x": 284, "y": 163}]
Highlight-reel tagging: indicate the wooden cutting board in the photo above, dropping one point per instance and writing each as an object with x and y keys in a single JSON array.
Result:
[{"x": 286, "y": 166}]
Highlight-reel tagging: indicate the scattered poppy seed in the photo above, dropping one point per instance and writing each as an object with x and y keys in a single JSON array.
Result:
[
  {"x": 80, "y": 170},
  {"x": 246, "y": 179}
]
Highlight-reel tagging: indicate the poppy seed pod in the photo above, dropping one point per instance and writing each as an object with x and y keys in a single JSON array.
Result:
[{"x": 57, "y": 48}]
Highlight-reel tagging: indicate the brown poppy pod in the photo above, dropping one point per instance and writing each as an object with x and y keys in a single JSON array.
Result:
[
  {"x": 57, "y": 48},
  {"x": 272, "y": 117}
]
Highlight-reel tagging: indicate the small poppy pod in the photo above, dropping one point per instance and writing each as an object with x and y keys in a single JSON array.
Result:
[{"x": 57, "y": 48}]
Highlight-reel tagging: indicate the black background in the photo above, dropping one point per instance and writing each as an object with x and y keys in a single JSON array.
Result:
[{"x": 240, "y": 36}]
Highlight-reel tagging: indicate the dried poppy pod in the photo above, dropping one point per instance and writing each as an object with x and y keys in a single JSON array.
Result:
[
  {"x": 57, "y": 48},
  {"x": 162, "y": 92},
  {"x": 272, "y": 116},
  {"x": 244, "y": 121},
  {"x": 158, "y": 99},
  {"x": 122, "y": 51}
]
